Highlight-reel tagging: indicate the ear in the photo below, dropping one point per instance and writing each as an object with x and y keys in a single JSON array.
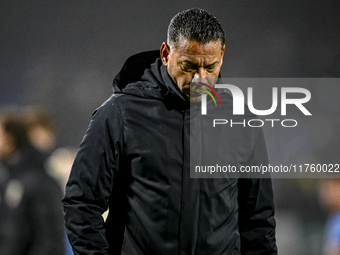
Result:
[
  {"x": 165, "y": 52},
  {"x": 222, "y": 54},
  {"x": 223, "y": 50}
]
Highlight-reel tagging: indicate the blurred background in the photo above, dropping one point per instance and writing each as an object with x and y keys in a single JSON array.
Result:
[{"x": 61, "y": 56}]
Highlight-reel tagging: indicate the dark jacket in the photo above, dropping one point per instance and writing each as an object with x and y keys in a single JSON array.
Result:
[
  {"x": 31, "y": 218},
  {"x": 135, "y": 159}
]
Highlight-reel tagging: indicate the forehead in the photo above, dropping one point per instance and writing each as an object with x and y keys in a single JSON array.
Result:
[{"x": 192, "y": 50}]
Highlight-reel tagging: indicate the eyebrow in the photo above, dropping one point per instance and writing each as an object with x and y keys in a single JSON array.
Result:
[
  {"x": 187, "y": 62},
  {"x": 211, "y": 65}
]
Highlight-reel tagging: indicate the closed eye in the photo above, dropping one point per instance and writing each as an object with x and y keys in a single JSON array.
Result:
[
  {"x": 188, "y": 67},
  {"x": 210, "y": 68}
]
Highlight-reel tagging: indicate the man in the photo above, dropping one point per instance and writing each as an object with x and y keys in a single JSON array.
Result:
[
  {"x": 135, "y": 159},
  {"x": 31, "y": 218}
]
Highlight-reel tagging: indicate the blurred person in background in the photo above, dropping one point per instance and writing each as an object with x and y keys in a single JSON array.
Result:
[
  {"x": 330, "y": 200},
  {"x": 41, "y": 132},
  {"x": 300, "y": 220},
  {"x": 31, "y": 220},
  {"x": 58, "y": 162},
  {"x": 59, "y": 165}
]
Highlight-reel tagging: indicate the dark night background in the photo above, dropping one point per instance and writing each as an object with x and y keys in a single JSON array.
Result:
[{"x": 63, "y": 55}]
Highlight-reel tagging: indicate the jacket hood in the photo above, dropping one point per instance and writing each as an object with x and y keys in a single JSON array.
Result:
[
  {"x": 133, "y": 69},
  {"x": 144, "y": 75}
]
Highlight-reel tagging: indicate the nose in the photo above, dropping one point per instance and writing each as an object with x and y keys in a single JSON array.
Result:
[{"x": 200, "y": 75}]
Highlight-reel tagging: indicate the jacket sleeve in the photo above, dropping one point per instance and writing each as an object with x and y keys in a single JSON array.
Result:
[
  {"x": 90, "y": 182},
  {"x": 256, "y": 207}
]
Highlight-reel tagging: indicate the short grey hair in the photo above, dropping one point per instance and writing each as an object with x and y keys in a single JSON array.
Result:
[{"x": 197, "y": 25}]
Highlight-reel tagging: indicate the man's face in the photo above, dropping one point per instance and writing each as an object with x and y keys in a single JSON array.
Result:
[{"x": 193, "y": 60}]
